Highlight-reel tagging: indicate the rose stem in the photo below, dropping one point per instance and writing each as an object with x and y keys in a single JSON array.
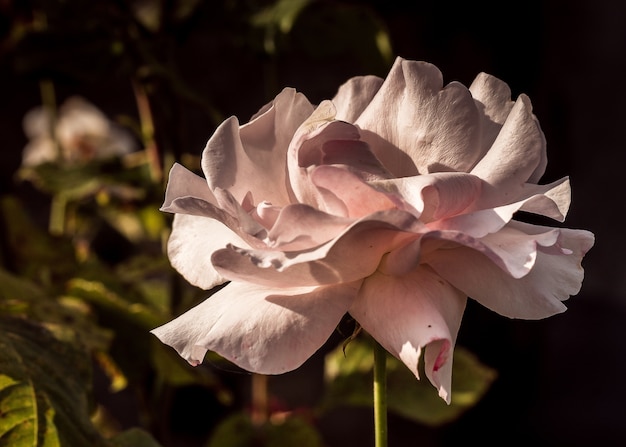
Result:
[{"x": 380, "y": 396}]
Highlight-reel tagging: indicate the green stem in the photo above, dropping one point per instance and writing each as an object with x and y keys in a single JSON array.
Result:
[
  {"x": 58, "y": 208},
  {"x": 380, "y": 396}
]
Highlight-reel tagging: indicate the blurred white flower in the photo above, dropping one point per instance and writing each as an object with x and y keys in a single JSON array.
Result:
[{"x": 82, "y": 131}]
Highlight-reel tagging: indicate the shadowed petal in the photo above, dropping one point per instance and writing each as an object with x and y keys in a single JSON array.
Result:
[
  {"x": 252, "y": 158},
  {"x": 354, "y": 254},
  {"x": 495, "y": 97},
  {"x": 184, "y": 183},
  {"x": 262, "y": 330},
  {"x": 556, "y": 275},
  {"x": 437, "y": 127},
  {"x": 407, "y": 313},
  {"x": 191, "y": 243},
  {"x": 354, "y": 96},
  {"x": 514, "y": 156}
]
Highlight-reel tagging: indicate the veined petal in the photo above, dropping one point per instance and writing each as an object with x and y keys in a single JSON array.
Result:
[
  {"x": 494, "y": 98},
  {"x": 354, "y": 96},
  {"x": 252, "y": 158},
  {"x": 408, "y": 313},
  {"x": 262, "y": 330},
  {"x": 353, "y": 254},
  {"x": 438, "y": 128},
  {"x": 190, "y": 245},
  {"x": 435, "y": 196},
  {"x": 184, "y": 183},
  {"x": 301, "y": 227},
  {"x": 551, "y": 200},
  {"x": 555, "y": 276},
  {"x": 515, "y": 155},
  {"x": 359, "y": 198}
]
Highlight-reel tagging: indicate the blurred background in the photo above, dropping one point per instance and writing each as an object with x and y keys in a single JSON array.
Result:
[{"x": 167, "y": 72}]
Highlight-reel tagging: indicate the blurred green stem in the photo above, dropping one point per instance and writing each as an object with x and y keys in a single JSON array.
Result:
[
  {"x": 147, "y": 132},
  {"x": 380, "y": 396},
  {"x": 56, "y": 225}
]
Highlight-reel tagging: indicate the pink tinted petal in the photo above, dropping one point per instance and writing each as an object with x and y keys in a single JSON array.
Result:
[
  {"x": 252, "y": 157},
  {"x": 551, "y": 200},
  {"x": 301, "y": 227},
  {"x": 553, "y": 278},
  {"x": 354, "y": 96},
  {"x": 436, "y": 196},
  {"x": 184, "y": 183},
  {"x": 190, "y": 245},
  {"x": 262, "y": 330},
  {"x": 494, "y": 99},
  {"x": 240, "y": 222},
  {"x": 512, "y": 250},
  {"x": 407, "y": 313},
  {"x": 352, "y": 255},
  {"x": 548, "y": 200},
  {"x": 437, "y": 127},
  {"x": 495, "y": 96},
  {"x": 358, "y": 197},
  {"x": 514, "y": 156}
]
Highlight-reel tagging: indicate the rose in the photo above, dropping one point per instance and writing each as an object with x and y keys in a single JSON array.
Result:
[
  {"x": 82, "y": 132},
  {"x": 393, "y": 202}
]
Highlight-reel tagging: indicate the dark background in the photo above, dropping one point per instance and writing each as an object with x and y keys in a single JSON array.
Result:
[{"x": 561, "y": 380}]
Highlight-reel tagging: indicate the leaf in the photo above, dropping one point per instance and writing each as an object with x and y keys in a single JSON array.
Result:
[
  {"x": 290, "y": 431},
  {"x": 67, "y": 318},
  {"x": 35, "y": 253},
  {"x": 134, "y": 437},
  {"x": 99, "y": 293},
  {"x": 43, "y": 389},
  {"x": 350, "y": 383}
]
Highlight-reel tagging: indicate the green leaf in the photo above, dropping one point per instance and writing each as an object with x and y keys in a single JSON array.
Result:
[
  {"x": 67, "y": 318},
  {"x": 35, "y": 253},
  {"x": 290, "y": 431},
  {"x": 134, "y": 437},
  {"x": 43, "y": 389},
  {"x": 350, "y": 383},
  {"x": 99, "y": 293}
]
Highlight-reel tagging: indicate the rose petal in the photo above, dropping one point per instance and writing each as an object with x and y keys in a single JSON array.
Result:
[
  {"x": 262, "y": 330},
  {"x": 359, "y": 199},
  {"x": 252, "y": 158},
  {"x": 438, "y": 128},
  {"x": 495, "y": 97},
  {"x": 553, "y": 278},
  {"x": 435, "y": 196},
  {"x": 352, "y": 255},
  {"x": 407, "y": 313},
  {"x": 354, "y": 96},
  {"x": 301, "y": 227},
  {"x": 190, "y": 245},
  {"x": 514, "y": 156},
  {"x": 184, "y": 183}
]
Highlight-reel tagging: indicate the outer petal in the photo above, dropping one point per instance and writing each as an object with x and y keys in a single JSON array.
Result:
[
  {"x": 405, "y": 314},
  {"x": 190, "y": 245},
  {"x": 554, "y": 277},
  {"x": 438, "y": 128},
  {"x": 354, "y": 96},
  {"x": 253, "y": 158},
  {"x": 263, "y": 330},
  {"x": 184, "y": 183},
  {"x": 494, "y": 96},
  {"x": 514, "y": 156}
]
